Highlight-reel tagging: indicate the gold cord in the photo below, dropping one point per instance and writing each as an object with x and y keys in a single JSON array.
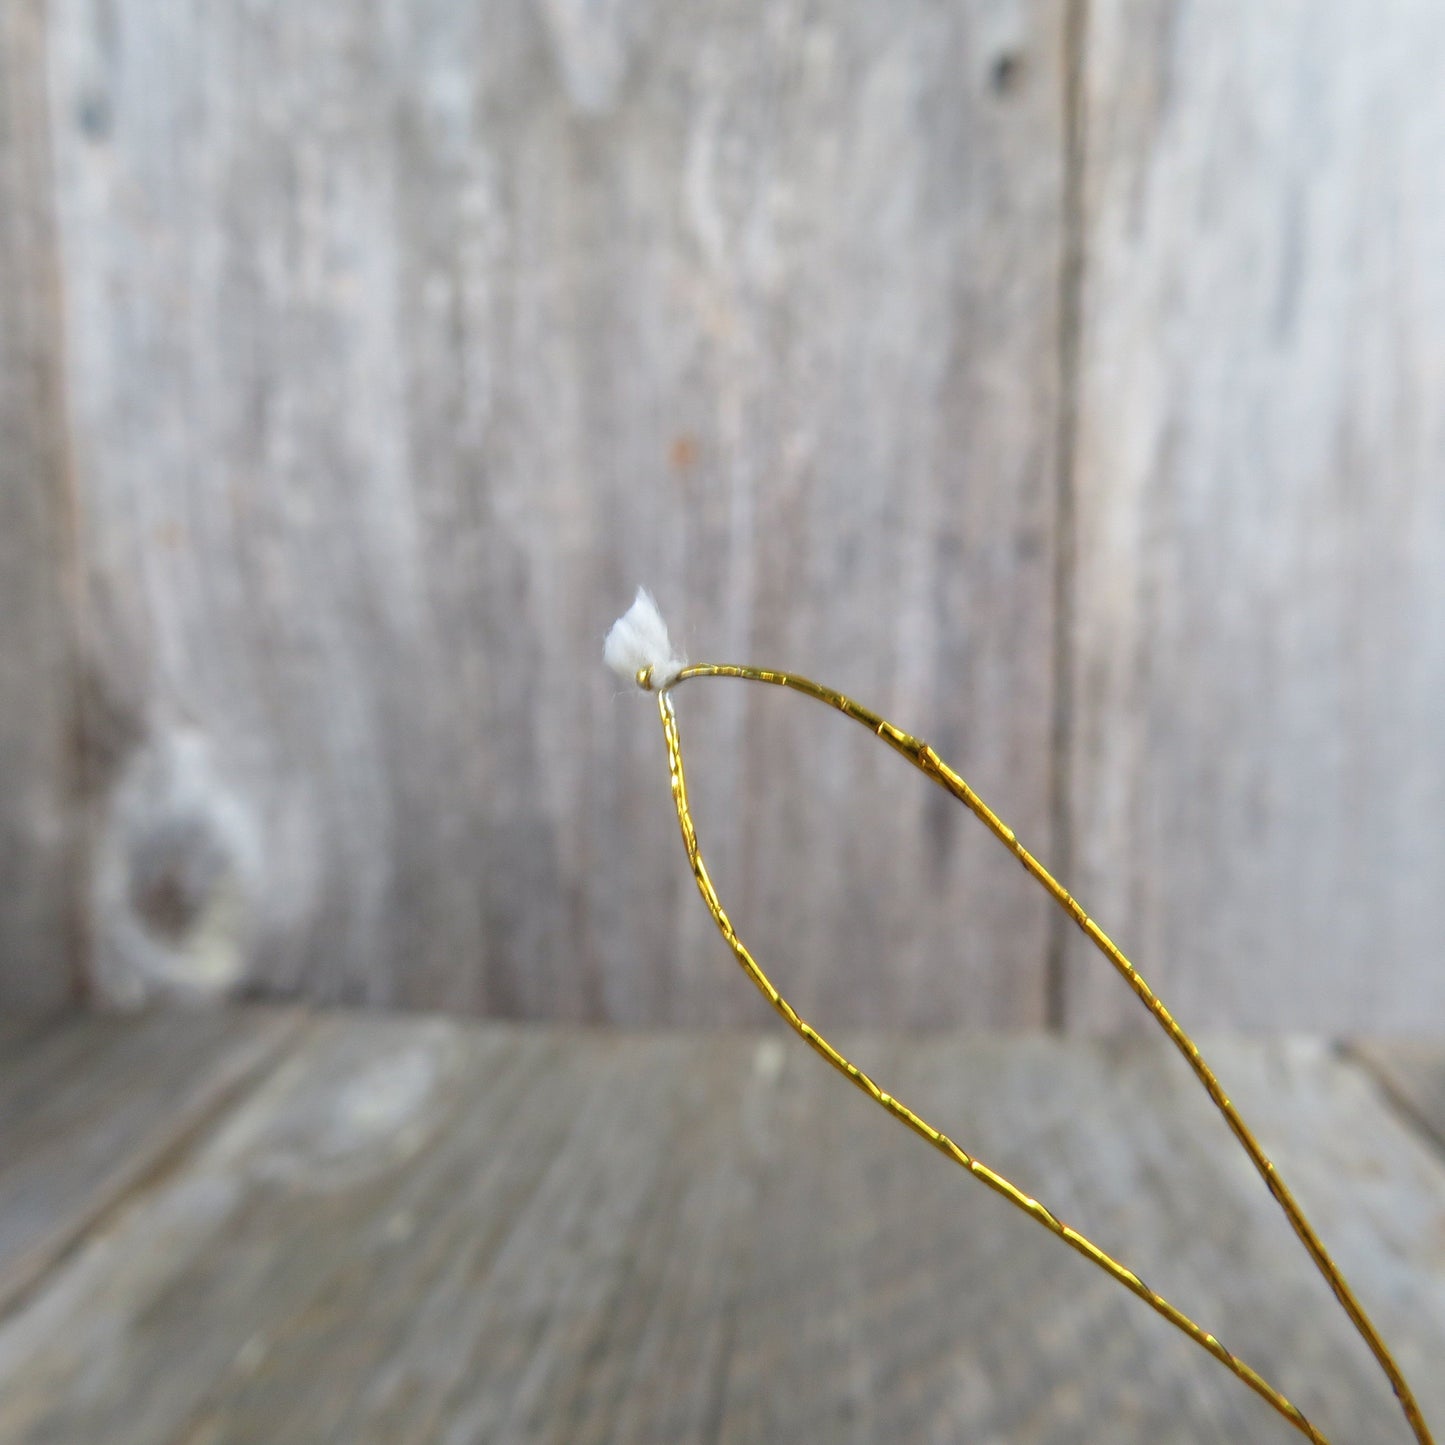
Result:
[{"x": 928, "y": 762}]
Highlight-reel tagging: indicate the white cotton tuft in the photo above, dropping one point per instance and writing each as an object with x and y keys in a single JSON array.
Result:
[{"x": 639, "y": 639}]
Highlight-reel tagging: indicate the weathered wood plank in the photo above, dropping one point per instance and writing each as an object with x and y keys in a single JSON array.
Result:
[
  {"x": 422, "y": 1231},
  {"x": 90, "y": 1106},
  {"x": 407, "y": 1231},
  {"x": 1259, "y": 638},
  {"x": 38, "y": 792},
  {"x": 1412, "y": 1072},
  {"x": 18, "y": 1031},
  {"x": 918, "y": 1307},
  {"x": 404, "y": 340}
]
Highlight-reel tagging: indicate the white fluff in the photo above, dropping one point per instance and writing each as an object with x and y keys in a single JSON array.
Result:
[{"x": 639, "y": 639}]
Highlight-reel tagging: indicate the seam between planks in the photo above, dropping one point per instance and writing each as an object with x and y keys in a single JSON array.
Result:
[
  {"x": 69, "y": 518},
  {"x": 1397, "y": 1100},
  {"x": 161, "y": 1153},
  {"x": 1071, "y": 291}
]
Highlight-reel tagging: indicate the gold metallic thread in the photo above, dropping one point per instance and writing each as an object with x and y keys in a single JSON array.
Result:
[{"x": 928, "y": 762}]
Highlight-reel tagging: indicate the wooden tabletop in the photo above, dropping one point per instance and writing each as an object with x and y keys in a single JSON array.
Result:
[{"x": 275, "y": 1227}]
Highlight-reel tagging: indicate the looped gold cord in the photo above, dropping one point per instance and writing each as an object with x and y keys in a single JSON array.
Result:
[{"x": 927, "y": 761}]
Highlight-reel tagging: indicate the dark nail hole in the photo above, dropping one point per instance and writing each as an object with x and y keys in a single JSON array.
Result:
[
  {"x": 94, "y": 116},
  {"x": 1006, "y": 73}
]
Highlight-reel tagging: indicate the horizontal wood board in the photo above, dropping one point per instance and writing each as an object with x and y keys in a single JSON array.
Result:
[
  {"x": 426, "y": 1231},
  {"x": 90, "y": 1106}
]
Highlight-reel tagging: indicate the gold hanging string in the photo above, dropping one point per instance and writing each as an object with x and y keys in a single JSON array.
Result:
[{"x": 928, "y": 762}]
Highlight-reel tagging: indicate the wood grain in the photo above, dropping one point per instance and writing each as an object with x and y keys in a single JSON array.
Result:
[
  {"x": 1098, "y": 445},
  {"x": 403, "y": 341},
  {"x": 1258, "y": 647},
  {"x": 39, "y": 853},
  {"x": 429, "y": 1231},
  {"x": 90, "y": 1106},
  {"x": 923, "y": 1309}
]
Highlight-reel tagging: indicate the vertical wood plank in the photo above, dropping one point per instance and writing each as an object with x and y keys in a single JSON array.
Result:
[
  {"x": 38, "y": 942},
  {"x": 404, "y": 339},
  {"x": 1258, "y": 652}
]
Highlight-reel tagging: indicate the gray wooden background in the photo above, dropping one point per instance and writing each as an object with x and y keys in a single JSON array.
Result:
[{"x": 1064, "y": 379}]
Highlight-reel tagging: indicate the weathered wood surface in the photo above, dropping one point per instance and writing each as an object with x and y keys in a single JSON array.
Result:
[
  {"x": 421, "y": 1230},
  {"x": 403, "y": 341},
  {"x": 39, "y": 859},
  {"x": 1255, "y": 696},
  {"x": 89, "y": 1106},
  {"x": 399, "y": 341}
]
